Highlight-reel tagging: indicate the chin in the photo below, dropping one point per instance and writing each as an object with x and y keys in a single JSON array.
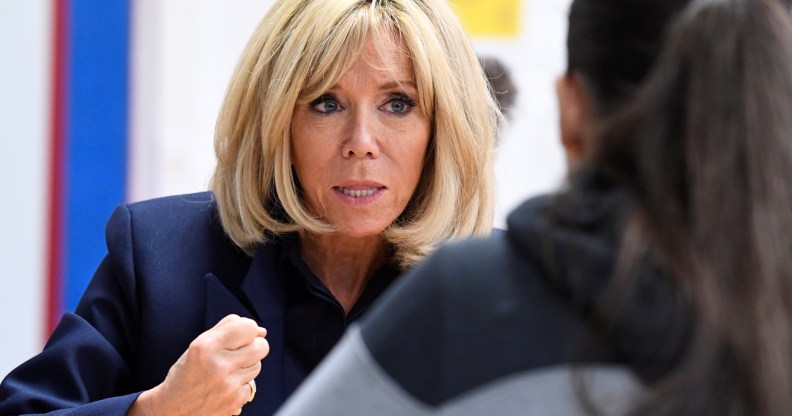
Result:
[
  {"x": 361, "y": 233},
  {"x": 361, "y": 230}
]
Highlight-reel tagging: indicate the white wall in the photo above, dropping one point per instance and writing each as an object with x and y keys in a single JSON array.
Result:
[
  {"x": 184, "y": 54},
  {"x": 24, "y": 146},
  {"x": 529, "y": 159}
]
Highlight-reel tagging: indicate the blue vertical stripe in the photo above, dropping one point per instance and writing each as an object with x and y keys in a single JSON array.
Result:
[{"x": 96, "y": 133}]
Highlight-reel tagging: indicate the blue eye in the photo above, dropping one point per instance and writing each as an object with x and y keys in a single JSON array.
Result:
[
  {"x": 325, "y": 104},
  {"x": 399, "y": 104}
]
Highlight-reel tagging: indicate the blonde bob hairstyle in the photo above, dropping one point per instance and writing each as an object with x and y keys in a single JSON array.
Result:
[{"x": 298, "y": 51}]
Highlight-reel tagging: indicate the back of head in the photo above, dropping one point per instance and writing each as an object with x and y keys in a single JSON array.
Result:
[
  {"x": 706, "y": 151},
  {"x": 613, "y": 44}
]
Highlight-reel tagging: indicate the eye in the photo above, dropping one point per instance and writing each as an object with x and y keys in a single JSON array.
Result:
[
  {"x": 399, "y": 104},
  {"x": 325, "y": 104}
]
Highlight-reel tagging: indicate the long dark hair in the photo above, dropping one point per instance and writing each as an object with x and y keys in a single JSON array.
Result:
[{"x": 706, "y": 154}]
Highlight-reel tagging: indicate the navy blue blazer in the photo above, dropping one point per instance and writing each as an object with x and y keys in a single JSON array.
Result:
[{"x": 170, "y": 274}]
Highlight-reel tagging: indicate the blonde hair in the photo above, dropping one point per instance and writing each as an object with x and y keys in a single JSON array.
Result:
[{"x": 298, "y": 51}]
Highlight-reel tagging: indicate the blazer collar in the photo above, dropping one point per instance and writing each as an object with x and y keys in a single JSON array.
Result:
[
  {"x": 258, "y": 295},
  {"x": 262, "y": 299},
  {"x": 262, "y": 284}
]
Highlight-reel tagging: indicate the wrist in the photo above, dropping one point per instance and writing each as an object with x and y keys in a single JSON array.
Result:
[{"x": 148, "y": 404}]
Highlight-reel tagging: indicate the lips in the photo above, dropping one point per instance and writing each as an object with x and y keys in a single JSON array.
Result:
[{"x": 358, "y": 193}]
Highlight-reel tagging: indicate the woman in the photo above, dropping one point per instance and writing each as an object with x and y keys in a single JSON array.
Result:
[
  {"x": 657, "y": 283},
  {"x": 354, "y": 137}
]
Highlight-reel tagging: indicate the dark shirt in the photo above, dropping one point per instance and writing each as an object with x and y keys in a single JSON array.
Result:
[{"x": 314, "y": 319}]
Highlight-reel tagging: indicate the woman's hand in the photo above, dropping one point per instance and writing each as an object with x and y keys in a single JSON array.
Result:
[{"x": 211, "y": 377}]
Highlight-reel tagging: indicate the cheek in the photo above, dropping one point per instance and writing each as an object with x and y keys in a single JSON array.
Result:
[
  {"x": 313, "y": 158},
  {"x": 301, "y": 153},
  {"x": 419, "y": 146},
  {"x": 309, "y": 146},
  {"x": 314, "y": 140},
  {"x": 412, "y": 159},
  {"x": 415, "y": 161}
]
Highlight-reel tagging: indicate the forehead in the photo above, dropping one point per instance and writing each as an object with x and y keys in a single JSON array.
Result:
[
  {"x": 386, "y": 55},
  {"x": 372, "y": 50}
]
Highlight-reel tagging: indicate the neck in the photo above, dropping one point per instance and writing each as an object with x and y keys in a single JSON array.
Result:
[{"x": 343, "y": 264}]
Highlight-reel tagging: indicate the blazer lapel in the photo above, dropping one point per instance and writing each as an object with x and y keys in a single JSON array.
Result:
[{"x": 264, "y": 292}]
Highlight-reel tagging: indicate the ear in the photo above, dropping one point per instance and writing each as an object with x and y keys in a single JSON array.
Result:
[{"x": 573, "y": 112}]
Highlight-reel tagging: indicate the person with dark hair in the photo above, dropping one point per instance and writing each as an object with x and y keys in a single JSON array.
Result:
[
  {"x": 658, "y": 282},
  {"x": 611, "y": 46}
]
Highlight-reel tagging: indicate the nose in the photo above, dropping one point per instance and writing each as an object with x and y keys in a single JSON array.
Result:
[{"x": 361, "y": 141}]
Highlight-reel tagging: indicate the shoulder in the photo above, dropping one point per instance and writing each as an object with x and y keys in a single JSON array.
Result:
[
  {"x": 467, "y": 271},
  {"x": 175, "y": 234},
  {"x": 484, "y": 269},
  {"x": 474, "y": 312},
  {"x": 163, "y": 249},
  {"x": 167, "y": 217},
  {"x": 188, "y": 202},
  {"x": 475, "y": 254},
  {"x": 464, "y": 301},
  {"x": 170, "y": 209}
]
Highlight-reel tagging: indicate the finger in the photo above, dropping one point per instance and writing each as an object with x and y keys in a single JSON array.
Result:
[
  {"x": 237, "y": 333},
  {"x": 227, "y": 319},
  {"x": 248, "y": 373},
  {"x": 250, "y": 354},
  {"x": 244, "y": 394},
  {"x": 262, "y": 332},
  {"x": 243, "y": 375}
]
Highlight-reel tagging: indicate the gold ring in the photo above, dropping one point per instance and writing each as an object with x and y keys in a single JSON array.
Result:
[{"x": 252, "y": 384}]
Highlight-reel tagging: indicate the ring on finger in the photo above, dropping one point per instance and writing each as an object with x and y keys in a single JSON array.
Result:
[{"x": 252, "y": 384}]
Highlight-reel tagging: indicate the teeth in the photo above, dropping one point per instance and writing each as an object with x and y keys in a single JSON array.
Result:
[{"x": 357, "y": 193}]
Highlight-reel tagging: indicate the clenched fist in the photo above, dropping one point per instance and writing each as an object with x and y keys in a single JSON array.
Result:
[{"x": 211, "y": 377}]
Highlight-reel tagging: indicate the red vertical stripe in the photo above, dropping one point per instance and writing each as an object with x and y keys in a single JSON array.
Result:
[{"x": 58, "y": 111}]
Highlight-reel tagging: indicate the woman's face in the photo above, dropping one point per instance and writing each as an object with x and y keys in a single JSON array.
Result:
[{"x": 358, "y": 150}]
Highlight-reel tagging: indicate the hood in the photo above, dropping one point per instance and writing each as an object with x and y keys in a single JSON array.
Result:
[{"x": 576, "y": 237}]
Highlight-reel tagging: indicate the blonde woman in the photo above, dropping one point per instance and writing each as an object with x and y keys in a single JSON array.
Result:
[{"x": 355, "y": 136}]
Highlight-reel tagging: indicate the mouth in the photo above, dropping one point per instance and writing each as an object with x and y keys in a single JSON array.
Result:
[{"x": 358, "y": 193}]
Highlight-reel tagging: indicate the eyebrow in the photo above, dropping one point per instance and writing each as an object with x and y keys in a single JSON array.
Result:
[
  {"x": 396, "y": 84},
  {"x": 386, "y": 86}
]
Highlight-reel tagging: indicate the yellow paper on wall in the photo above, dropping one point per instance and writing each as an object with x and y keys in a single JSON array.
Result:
[{"x": 489, "y": 18}]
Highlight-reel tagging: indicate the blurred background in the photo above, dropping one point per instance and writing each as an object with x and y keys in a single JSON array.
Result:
[{"x": 105, "y": 102}]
